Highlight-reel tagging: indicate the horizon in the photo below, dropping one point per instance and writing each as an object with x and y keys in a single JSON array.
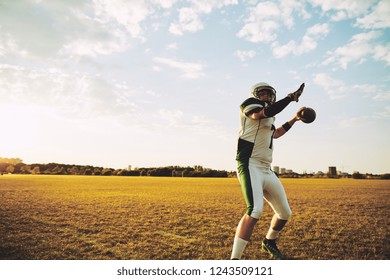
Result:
[
  {"x": 152, "y": 82},
  {"x": 130, "y": 167}
]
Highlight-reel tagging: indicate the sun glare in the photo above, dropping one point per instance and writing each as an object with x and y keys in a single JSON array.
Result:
[{"x": 20, "y": 129}]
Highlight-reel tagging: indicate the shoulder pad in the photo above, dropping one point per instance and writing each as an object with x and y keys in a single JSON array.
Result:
[{"x": 250, "y": 104}]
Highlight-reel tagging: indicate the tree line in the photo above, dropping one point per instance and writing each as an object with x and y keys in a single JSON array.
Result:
[
  {"x": 72, "y": 169},
  {"x": 16, "y": 166}
]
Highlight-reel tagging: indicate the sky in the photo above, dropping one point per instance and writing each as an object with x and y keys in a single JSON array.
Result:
[{"x": 151, "y": 83}]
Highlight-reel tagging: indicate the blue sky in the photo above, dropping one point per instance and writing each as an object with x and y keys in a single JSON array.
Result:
[{"x": 114, "y": 83}]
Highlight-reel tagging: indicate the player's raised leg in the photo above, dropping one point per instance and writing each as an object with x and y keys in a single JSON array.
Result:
[
  {"x": 269, "y": 242},
  {"x": 276, "y": 196}
]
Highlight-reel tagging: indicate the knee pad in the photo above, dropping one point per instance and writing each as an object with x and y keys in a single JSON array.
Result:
[{"x": 256, "y": 213}]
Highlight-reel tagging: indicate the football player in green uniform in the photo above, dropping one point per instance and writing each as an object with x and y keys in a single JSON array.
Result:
[{"x": 254, "y": 157}]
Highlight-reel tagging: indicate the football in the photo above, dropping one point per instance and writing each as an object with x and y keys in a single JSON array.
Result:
[{"x": 307, "y": 115}]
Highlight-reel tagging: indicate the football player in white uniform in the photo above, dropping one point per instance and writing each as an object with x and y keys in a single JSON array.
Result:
[{"x": 254, "y": 157}]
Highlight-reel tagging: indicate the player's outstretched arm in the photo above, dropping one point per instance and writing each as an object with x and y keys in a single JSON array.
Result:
[
  {"x": 278, "y": 106},
  {"x": 280, "y": 131}
]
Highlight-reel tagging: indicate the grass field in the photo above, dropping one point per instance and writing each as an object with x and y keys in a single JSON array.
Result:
[{"x": 91, "y": 217}]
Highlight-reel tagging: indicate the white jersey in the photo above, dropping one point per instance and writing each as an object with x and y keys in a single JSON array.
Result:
[
  {"x": 254, "y": 157},
  {"x": 256, "y": 136}
]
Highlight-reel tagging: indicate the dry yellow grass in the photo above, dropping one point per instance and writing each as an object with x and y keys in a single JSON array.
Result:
[{"x": 87, "y": 217}]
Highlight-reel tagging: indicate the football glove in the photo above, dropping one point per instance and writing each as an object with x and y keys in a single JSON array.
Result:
[{"x": 296, "y": 94}]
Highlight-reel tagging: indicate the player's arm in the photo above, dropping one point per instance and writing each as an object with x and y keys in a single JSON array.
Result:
[
  {"x": 280, "y": 131},
  {"x": 277, "y": 107},
  {"x": 256, "y": 114}
]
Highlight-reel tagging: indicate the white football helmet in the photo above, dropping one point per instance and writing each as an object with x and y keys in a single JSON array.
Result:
[{"x": 257, "y": 88}]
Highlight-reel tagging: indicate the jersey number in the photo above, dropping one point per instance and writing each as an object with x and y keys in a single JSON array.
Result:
[{"x": 272, "y": 136}]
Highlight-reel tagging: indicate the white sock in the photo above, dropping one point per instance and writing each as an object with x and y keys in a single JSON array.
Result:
[
  {"x": 272, "y": 234},
  {"x": 238, "y": 247}
]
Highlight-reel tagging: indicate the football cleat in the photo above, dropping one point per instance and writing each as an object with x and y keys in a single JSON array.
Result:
[{"x": 272, "y": 249}]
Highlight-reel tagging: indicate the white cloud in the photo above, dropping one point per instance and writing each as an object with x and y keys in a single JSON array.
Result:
[
  {"x": 74, "y": 95},
  {"x": 196, "y": 125},
  {"x": 365, "y": 120},
  {"x": 244, "y": 55},
  {"x": 349, "y": 8},
  {"x": 308, "y": 43},
  {"x": 123, "y": 13},
  {"x": 295, "y": 75},
  {"x": 313, "y": 34},
  {"x": 190, "y": 69},
  {"x": 188, "y": 21},
  {"x": 378, "y": 18},
  {"x": 382, "y": 52},
  {"x": 31, "y": 29},
  {"x": 385, "y": 113},
  {"x": 190, "y": 17},
  {"x": 166, "y": 4},
  {"x": 288, "y": 7},
  {"x": 359, "y": 47},
  {"x": 335, "y": 89},
  {"x": 280, "y": 51},
  {"x": 206, "y": 6},
  {"x": 9, "y": 46},
  {"x": 355, "y": 122},
  {"x": 339, "y": 16},
  {"x": 48, "y": 30},
  {"x": 92, "y": 47},
  {"x": 172, "y": 118},
  {"x": 265, "y": 18},
  {"x": 156, "y": 68},
  {"x": 172, "y": 46},
  {"x": 374, "y": 92},
  {"x": 259, "y": 31},
  {"x": 261, "y": 23}
]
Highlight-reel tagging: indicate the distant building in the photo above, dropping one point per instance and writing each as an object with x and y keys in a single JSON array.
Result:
[
  {"x": 282, "y": 170},
  {"x": 332, "y": 173},
  {"x": 129, "y": 168},
  {"x": 276, "y": 169}
]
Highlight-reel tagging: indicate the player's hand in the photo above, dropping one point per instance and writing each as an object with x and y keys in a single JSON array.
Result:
[
  {"x": 299, "y": 113},
  {"x": 296, "y": 94}
]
